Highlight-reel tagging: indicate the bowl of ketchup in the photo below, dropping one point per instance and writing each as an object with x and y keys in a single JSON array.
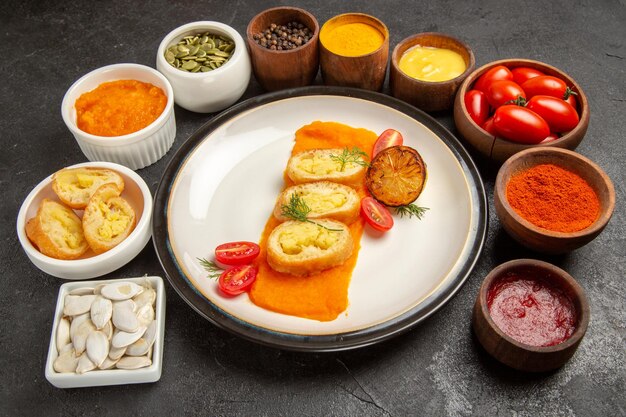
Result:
[{"x": 530, "y": 315}]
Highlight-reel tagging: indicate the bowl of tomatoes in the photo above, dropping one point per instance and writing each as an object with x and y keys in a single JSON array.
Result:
[{"x": 510, "y": 105}]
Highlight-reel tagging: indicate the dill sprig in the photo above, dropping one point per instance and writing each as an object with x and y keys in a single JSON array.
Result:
[
  {"x": 354, "y": 155},
  {"x": 411, "y": 210},
  {"x": 298, "y": 210},
  {"x": 213, "y": 270}
]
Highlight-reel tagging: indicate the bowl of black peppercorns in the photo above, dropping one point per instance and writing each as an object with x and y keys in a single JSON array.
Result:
[{"x": 283, "y": 44}]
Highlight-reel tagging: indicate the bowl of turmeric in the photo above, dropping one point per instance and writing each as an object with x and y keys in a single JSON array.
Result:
[
  {"x": 354, "y": 50},
  {"x": 553, "y": 200},
  {"x": 122, "y": 113}
]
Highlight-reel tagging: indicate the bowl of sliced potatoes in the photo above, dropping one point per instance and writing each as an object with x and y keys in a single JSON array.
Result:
[{"x": 86, "y": 220}]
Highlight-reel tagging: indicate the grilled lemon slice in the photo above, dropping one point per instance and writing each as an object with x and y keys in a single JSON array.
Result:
[{"x": 396, "y": 176}]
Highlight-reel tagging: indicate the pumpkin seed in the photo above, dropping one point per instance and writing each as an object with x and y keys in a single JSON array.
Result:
[
  {"x": 189, "y": 65},
  {"x": 81, "y": 347},
  {"x": 202, "y": 52}
]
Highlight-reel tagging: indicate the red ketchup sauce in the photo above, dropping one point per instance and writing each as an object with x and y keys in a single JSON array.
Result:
[{"x": 530, "y": 309}]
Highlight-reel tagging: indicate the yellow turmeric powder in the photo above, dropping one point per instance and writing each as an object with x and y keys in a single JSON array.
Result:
[{"x": 352, "y": 39}]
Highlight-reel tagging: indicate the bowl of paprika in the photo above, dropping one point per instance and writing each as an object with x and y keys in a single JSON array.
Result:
[
  {"x": 510, "y": 105},
  {"x": 553, "y": 200}
]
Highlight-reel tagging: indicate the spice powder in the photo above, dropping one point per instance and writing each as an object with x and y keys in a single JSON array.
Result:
[
  {"x": 351, "y": 39},
  {"x": 553, "y": 198}
]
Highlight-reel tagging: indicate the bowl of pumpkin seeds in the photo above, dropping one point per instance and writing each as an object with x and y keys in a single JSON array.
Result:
[{"x": 207, "y": 64}]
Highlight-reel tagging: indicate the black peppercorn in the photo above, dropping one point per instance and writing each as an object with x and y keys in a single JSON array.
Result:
[{"x": 283, "y": 37}]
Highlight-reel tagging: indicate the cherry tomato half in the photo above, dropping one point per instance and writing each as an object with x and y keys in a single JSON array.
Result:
[
  {"x": 237, "y": 279},
  {"x": 489, "y": 127},
  {"x": 497, "y": 73},
  {"x": 477, "y": 106},
  {"x": 376, "y": 215},
  {"x": 519, "y": 124},
  {"x": 523, "y": 74},
  {"x": 545, "y": 85},
  {"x": 560, "y": 116},
  {"x": 236, "y": 253},
  {"x": 500, "y": 92},
  {"x": 388, "y": 138}
]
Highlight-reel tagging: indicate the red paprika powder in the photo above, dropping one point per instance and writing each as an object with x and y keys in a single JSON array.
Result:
[{"x": 553, "y": 198}]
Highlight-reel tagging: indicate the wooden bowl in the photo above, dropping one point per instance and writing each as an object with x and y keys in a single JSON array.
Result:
[
  {"x": 363, "y": 71},
  {"x": 276, "y": 70},
  {"x": 522, "y": 356},
  {"x": 498, "y": 149},
  {"x": 428, "y": 96},
  {"x": 540, "y": 239}
]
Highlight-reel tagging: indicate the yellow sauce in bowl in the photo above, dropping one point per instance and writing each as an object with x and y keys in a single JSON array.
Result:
[{"x": 427, "y": 63}]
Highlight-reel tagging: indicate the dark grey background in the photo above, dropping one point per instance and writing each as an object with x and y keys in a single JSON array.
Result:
[{"x": 435, "y": 369}]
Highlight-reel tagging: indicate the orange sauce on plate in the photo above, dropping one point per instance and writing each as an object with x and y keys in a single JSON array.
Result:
[
  {"x": 119, "y": 107},
  {"x": 322, "y": 296}
]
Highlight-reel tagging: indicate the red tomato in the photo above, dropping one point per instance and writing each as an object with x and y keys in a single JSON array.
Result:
[
  {"x": 545, "y": 85},
  {"x": 237, "y": 279},
  {"x": 477, "y": 106},
  {"x": 236, "y": 253},
  {"x": 519, "y": 124},
  {"x": 523, "y": 74},
  {"x": 551, "y": 137},
  {"x": 489, "y": 127},
  {"x": 560, "y": 116},
  {"x": 570, "y": 97},
  {"x": 499, "y": 72},
  {"x": 376, "y": 215},
  {"x": 501, "y": 92},
  {"x": 388, "y": 138}
]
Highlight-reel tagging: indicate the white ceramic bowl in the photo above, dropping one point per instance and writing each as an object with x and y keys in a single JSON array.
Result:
[
  {"x": 135, "y": 150},
  {"x": 207, "y": 92},
  {"x": 136, "y": 192},
  {"x": 96, "y": 378}
]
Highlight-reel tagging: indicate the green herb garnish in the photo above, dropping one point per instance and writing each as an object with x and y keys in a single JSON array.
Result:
[
  {"x": 411, "y": 210},
  {"x": 354, "y": 155},
  {"x": 298, "y": 210},
  {"x": 210, "y": 266}
]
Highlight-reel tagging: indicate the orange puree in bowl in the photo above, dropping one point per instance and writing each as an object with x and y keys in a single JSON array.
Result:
[
  {"x": 119, "y": 107},
  {"x": 322, "y": 296}
]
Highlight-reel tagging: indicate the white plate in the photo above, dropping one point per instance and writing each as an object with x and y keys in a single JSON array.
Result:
[{"x": 222, "y": 185}]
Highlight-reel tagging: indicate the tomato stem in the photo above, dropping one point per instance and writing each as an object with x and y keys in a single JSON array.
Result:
[
  {"x": 569, "y": 92},
  {"x": 519, "y": 101}
]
